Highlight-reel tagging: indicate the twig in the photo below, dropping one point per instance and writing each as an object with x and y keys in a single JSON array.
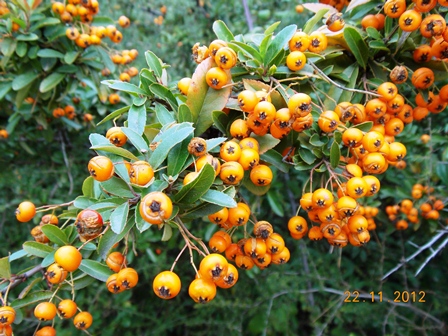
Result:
[
  {"x": 18, "y": 279},
  {"x": 441, "y": 246},
  {"x": 416, "y": 253},
  {"x": 328, "y": 79},
  {"x": 178, "y": 256},
  {"x": 331, "y": 317},
  {"x": 53, "y": 206}
]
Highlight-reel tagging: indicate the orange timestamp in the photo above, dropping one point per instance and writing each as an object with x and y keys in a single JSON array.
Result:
[{"x": 399, "y": 296}]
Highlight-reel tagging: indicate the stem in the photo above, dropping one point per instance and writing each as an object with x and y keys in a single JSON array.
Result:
[
  {"x": 199, "y": 240},
  {"x": 333, "y": 176},
  {"x": 18, "y": 279},
  {"x": 328, "y": 79},
  {"x": 178, "y": 256}
]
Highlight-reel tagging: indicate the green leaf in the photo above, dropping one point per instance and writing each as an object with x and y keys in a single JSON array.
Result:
[
  {"x": 71, "y": 56},
  {"x": 136, "y": 139},
  {"x": 32, "y": 299},
  {"x": 115, "y": 150},
  {"x": 21, "y": 49},
  {"x": 373, "y": 33},
  {"x": 167, "y": 232},
  {"x": 154, "y": 63},
  {"x": 108, "y": 204},
  {"x": 82, "y": 202},
  {"x": 309, "y": 25},
  {"x": 18, "y": 255},
  {"x": 28, "y": 289},
  {"x": 352, "y": 74},
  {"x": 163, "y": 115},
  {"x": 109, "y": 239},
  {"x": 5, "y": 268},
  {"x": 266, "y": 142},
  {"x": 8, "y": 46},
  {"x": 139, "y": 101},
  {"x": 184, "y": 114},
  {"x": 203, "y": 100},
  {"x": 164, "y": 93},
  {"x": 47, "y": 21},
  {"x": 87, "y": 187},
  {"x": 81, "y": 281},
  {"x": 214, "y": 142},
  {"x": 271, "y": 28},
  {"x": 23, "y": 80},
  {"x": 276, "y": 159},
  {"x": 123, "y": 86},
  {"x": 316, "y": 141},
  {"x": 306, "y": 155},
  {"x": 119, "y": 217},
  {"x": 218, "y": 198},
  {"x": 49, "y": 53},
  {"x": 222, "y": 32},
  {"x": 335, "y": 154},
  {"x": 191, "y": 192},
  {"x": 247, "y": 50},
  {"x": 102, "y": 21},
  {"x": 105, "y": 58},
  {"x": 171, "y": 137},
  {"x": 378, "y": 45},
  {"x": 357, "y": 45},
  {"x": 120, "y": 168},
  {"x": 177, "y": 157},
  {"x": 48, "y": 260},
  {"x": 137, "y": 118},
  {"x": 95, "y": 269},
  {"x": 117, "y": 187},
  {"x": 71, "y": 123},
  {"x": 365, "y": 126},
  {"x": 68, "y": 69},
  {"x": 275, "y": 203},
  {"x": 279, "y": 42},
  {"x": 141, "y": 224},
  {"x": 115, "y": 114},
  {"x": 28, "y": 37},
  {"x": 220, "y": 120},
  {"x": 265, "y": 43},
  {"x": 55, "y": 234},
  {"x": 4, "y": 89},
  {"x": 37, "y": 249},
  {"x": 51, "y": 81},
  {"x": 203, "y": 209}
]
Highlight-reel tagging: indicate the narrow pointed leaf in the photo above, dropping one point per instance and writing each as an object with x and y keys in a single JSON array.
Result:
[
  {"x": 55, "y": 234},
  {"x": 191, "y": 192},
  {"x": 95, "y": 269},
  {"x": 119, "y": 217},
  {"x": 37, "y": 249},
  {"x": 222, "y": 32}
]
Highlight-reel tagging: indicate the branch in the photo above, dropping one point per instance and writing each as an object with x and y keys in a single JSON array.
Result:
[
  {"x": 416, "y": 253},
  {"x": 18, "y": 279},
  {"x": 433, "y": 254}
]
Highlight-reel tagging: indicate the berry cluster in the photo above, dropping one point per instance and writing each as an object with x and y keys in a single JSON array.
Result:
[{"x": 407, "y": 211}]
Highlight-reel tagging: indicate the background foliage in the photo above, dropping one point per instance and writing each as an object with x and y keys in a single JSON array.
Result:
[{"x": 305, "y": 296}]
